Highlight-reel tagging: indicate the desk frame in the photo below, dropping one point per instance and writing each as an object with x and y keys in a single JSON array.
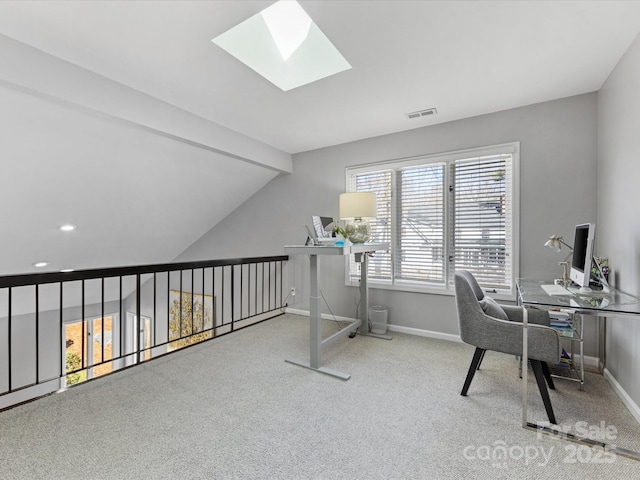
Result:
[
  {"x": 362, "y": 252},
  {"x": 581, "y": 310}
]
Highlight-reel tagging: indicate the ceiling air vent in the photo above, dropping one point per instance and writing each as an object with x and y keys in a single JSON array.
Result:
[{"x": 422, "y": 113}]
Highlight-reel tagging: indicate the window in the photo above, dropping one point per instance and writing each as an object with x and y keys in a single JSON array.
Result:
[{"x": 441, "y": 213}]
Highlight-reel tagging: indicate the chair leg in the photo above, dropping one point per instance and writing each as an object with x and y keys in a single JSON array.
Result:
[
  {"x": 481, "y": 358},
  {"x": 536, "y": 365},
  {"x": 547, "y": 375},
  {"x": 475, "y": 363}
]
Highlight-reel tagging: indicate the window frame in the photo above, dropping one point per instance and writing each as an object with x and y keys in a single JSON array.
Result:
[{"x": 448, "y": 158}]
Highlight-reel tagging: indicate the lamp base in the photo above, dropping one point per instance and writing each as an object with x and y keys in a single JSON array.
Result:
[{"x": 358, "y": 231}]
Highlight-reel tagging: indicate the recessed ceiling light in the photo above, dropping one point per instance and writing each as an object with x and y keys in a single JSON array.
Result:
[
  {"x": 67, "y": 227},
  {"x": 40, "y": 264},
  {"x": 283, "y": 45},
  {"x": 66, "y": 270}
]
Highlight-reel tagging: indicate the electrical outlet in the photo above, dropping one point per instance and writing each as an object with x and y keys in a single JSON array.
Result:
[{"x": 293, "y": 291}]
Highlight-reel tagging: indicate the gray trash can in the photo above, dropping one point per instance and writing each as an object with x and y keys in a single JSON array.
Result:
[{"x": 378, "y": 319}]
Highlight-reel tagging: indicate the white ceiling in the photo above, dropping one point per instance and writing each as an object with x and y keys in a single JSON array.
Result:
[
  {"x": 465, "y": 58},
  {"x": 139, "y": 197}
]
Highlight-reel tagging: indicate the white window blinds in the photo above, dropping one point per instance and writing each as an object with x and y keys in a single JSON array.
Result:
[
  {"x": 441, "y": 213},
  {"x": 420, "y": 213},
  {"x": 378, "y": 182},
  {"x": 482, "y": 215}
]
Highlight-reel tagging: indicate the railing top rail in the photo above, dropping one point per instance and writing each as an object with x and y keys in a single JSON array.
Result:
[{"x": 22, "y": 280}]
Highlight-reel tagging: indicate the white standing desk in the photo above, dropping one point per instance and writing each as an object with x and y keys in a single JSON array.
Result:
[{"x": 362, "y": 252}]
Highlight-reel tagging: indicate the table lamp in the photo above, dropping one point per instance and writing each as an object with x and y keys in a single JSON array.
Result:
[
  {"x": 355, "y": 207},
  {"x": 555, "y": 243}
]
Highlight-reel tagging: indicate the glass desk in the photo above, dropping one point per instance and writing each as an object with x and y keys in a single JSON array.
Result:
[
  {"x": 612, "y": 304},
  {"x": 531, "y": 292}
]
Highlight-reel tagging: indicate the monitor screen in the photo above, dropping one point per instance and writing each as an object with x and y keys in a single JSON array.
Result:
[
  {"x": 580, "y": 246},
  {"x": 323, "y": 226},
  {"x": 583, "y": 254}
]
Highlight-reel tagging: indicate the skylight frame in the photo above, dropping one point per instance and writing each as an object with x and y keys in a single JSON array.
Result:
[{"x": 251, "y": 42}]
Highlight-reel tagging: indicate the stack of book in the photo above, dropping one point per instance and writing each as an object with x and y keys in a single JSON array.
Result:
[{"x": 562, "y": 322}]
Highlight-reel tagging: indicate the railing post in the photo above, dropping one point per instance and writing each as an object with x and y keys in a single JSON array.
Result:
[
  {"x": 9, "y": 349},
  {"x": 139, "y": 320},
  {"x": 84, "y": 331},
  {"x": 103, "y": 342},
  {"x": 281, "y": 292},
  {"x": 63, "y": 356},
  {"x": 233, "y": 296},
  {"x": 168, "y": 307},
  {"x": 37, "y": 334},
  {"x": 155, "y": 315},
  {"x": 122, "y": 323},
  {"x": 215, "y": 306}
]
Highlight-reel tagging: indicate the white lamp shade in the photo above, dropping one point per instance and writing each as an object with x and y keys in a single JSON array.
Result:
[
  {"x": 554, "y": 243},
  {"x": 358, "y": 205}
]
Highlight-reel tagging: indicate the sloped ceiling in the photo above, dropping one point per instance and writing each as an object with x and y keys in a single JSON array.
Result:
[
  {"x": 142, "y": 180},
  {"x": 136, "y": 197},
  {"x": 123, "y": 118}
]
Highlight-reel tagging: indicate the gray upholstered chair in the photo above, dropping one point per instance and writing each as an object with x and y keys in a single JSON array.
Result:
[{"x": 489, "y": 326}]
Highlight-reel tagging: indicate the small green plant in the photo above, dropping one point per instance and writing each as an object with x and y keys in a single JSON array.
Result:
[{"x": 340, "y": 231}]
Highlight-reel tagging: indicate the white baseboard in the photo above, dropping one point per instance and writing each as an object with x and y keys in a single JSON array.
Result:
[
  {"x": 591, "y": 364},
  {"x": 326, "y": 316},
  {"x": 394, "y": 328},
  {"x": 425, "y": 333},
  {"x": 622, "y": 394}
]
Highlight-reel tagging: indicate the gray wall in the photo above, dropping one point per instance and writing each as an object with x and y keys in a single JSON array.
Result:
[
  {"x": 558, "y": 141},
  {"x": 618, "y": 233}
]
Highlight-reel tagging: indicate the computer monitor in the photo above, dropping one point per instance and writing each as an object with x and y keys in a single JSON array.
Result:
[
  {"x": 323, "y": 226},
  {"x": 583, "y": 245}
]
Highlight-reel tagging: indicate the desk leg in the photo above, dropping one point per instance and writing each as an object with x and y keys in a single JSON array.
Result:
[
  {"x": 581, "y": 353},
  {"x": 363, "y": 314},
  {"x": 314, "y": 309},
  {"x": 602, "y": 344},
  {"x": 315, "y": 326},
  {"x": 525, "y": 361}
]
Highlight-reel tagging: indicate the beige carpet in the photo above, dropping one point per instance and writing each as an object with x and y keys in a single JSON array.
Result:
[{"x": 232, "y": 408}]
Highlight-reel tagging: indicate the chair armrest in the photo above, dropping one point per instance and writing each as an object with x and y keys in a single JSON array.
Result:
[{"x": 536, "y": 316}]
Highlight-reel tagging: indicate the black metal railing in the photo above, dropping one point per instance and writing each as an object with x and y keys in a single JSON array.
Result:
[{"x": 58, "y": 329}]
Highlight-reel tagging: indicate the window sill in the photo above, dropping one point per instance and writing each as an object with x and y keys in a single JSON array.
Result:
[{"x": 430, "y": 290}]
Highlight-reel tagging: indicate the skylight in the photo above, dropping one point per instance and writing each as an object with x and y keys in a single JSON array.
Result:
[
  {"x": 282, "y": 44},
  {"x": 288, "y": 24}
]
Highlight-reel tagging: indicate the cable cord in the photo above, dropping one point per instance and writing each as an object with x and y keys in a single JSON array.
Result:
[
  {"x": 284, "y": 304},
  {"x": 327, "y": 304}
]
